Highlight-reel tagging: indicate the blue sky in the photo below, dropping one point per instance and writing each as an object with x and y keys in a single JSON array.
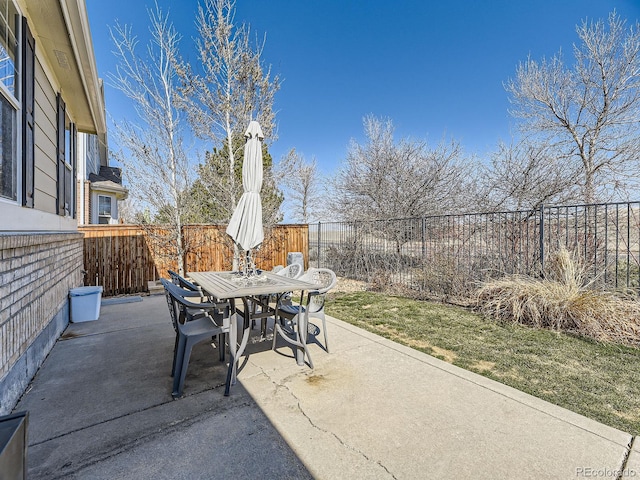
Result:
[{"x": 434, "y": 68}]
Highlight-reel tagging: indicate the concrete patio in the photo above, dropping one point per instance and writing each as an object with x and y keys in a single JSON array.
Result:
[{"x": 101, "y": 408}]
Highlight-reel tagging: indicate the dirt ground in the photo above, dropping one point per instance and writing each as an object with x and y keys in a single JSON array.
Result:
[{"x": 348, "y": 285}]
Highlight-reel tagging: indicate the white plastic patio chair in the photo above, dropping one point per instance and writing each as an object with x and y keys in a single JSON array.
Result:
[
  {"x": 295, "y": 270},
  {"x": 311, "y": 306}
]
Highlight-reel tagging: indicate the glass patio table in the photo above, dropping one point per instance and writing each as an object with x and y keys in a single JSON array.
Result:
[{"x": 234, "y": 285}]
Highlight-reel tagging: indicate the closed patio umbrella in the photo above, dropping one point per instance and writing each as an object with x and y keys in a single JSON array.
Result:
[{"x": 245, "y": 226}]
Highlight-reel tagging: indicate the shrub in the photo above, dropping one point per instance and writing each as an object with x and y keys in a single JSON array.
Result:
[{"x": 563, "y": 300}]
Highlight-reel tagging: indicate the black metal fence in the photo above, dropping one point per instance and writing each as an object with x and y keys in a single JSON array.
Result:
[{"x": 451, "y": 254}]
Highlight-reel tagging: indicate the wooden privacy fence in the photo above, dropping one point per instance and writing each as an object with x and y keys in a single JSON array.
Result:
[{"x": 124, "y": 258}]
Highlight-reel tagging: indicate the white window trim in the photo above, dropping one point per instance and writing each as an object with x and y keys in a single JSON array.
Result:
[
  {"x": 17, "y": 104},
  {"x": 95, "y": 207}
]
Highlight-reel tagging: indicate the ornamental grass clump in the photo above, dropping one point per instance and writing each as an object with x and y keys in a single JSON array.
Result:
[{"x": 563, "y": 300}]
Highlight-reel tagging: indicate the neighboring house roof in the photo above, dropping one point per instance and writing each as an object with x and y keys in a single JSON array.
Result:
[
  {"x": 113, "y": 174},
  {"x": 109, "y": 180}
]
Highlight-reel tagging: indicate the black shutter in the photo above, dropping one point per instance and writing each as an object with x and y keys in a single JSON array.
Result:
[
  {"x": 61, "y": 166},
  {"x": 28, "y": 123},
  {"x": 74, "y": 161}
]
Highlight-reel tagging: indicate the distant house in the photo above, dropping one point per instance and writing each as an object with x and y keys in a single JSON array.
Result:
[
  {"x": 99, "y": 185},
  {"x": 49, "y": 93}
]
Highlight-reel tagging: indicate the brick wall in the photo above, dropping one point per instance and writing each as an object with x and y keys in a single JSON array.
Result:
[{"x": 36, "y": 272}]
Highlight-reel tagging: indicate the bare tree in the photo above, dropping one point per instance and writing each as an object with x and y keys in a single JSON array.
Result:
[
  {"x": 524, "y": 175},
  {"x": 229, "y": 90},
  {"x": 232, "y": 88},
  {"x": 129, "y": 210},
  {"x": 384, "y": 179},
  {"x": 153, "y": 154},
  {"x": 588, "y": 114},
  {"x": 302, "y": 183}
]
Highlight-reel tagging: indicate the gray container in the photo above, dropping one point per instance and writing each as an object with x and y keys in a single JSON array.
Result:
[
  {"x": 13, "y": 446},
  {"x": 295, "y": 257},
  {"x": 85, "y": 303}
]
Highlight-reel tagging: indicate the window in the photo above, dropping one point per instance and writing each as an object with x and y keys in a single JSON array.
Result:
[
  {"x": 9, "y": 104},
  {"x": 69, "y": 165},
  {"x": 8, "y": 167},
  {"x": 9, "y": 21},
  {"x": 104, "y": 209}
]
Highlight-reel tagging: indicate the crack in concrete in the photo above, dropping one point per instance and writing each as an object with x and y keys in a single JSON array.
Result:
[
  {"x": 279, "y": 385},
  {"x": 625, "y": 460}
]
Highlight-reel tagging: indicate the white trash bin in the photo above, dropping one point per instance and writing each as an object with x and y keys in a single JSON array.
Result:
[{"x": 85, "y": 303}]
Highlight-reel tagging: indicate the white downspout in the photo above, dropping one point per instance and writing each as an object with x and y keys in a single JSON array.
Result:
[{"x": 82, "y": 167}]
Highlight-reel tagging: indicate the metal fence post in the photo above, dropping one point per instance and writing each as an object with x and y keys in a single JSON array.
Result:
[
  {"x": 542, "y": 240},
  {"x": 424, "y": 247},
  {"x": 318, "y": 237}
]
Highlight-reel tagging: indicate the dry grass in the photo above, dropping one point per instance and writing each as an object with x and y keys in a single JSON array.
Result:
[
  {"x": 563, "y": 300},
  {"x": 348, "y": 285}
]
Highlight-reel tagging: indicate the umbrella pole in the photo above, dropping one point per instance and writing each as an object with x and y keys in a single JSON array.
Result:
[
  {"x": 249, "y": 266},
  {"x": 236, "y": 258},
  {"x": 245, "y": 264}
]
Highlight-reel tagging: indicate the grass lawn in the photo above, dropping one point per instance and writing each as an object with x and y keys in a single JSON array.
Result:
[{"x": 596, "y": 380}]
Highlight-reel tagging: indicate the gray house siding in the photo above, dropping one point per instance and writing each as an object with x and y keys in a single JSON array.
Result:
[
  {"x": 41, "y": 250},
  {"x": 45, "y": 140}
]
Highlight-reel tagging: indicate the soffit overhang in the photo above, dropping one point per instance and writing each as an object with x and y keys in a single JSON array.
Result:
[{"x": 62, "y": 34}]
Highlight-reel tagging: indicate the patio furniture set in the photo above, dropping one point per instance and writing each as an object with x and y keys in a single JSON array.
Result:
[{"x": 210, "y": 305}]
